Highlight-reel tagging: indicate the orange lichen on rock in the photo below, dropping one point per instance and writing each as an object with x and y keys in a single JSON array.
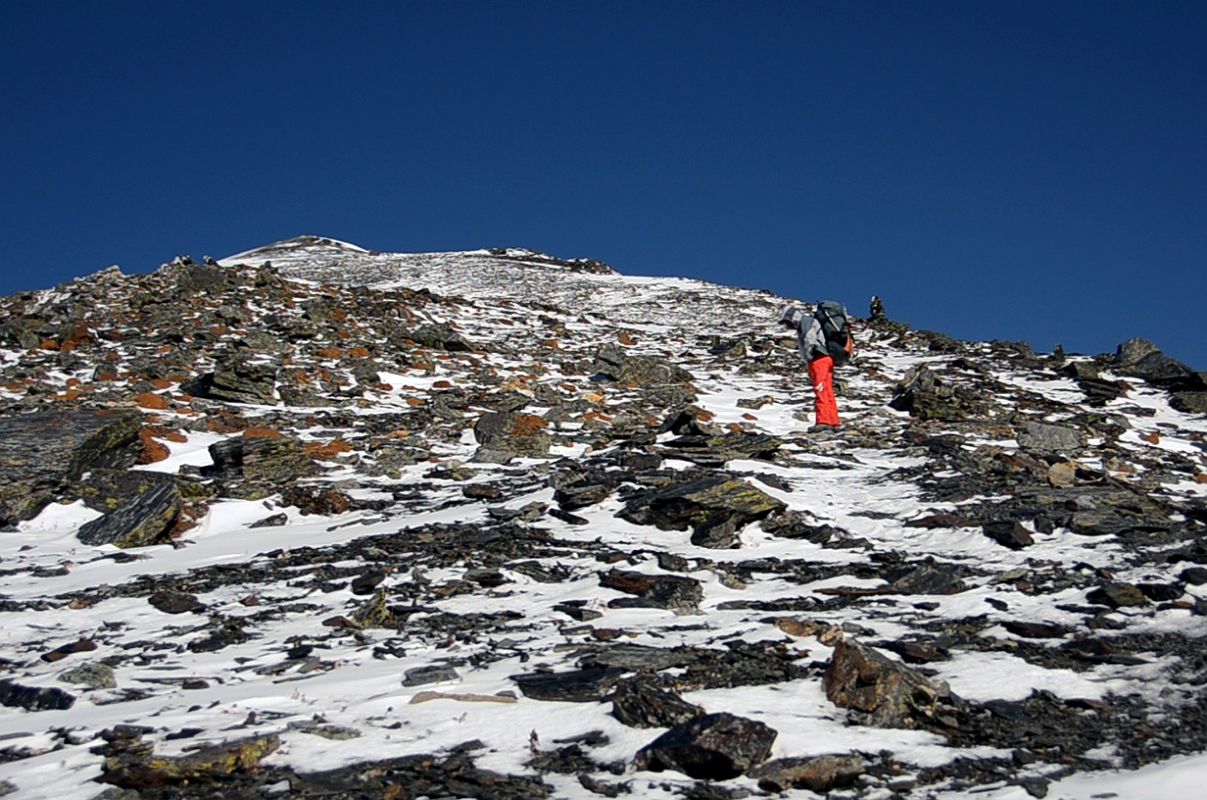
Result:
[
  {"x": 152, "y": 450},
  {"x": 528, "y": 424},
  {"x": 326, "y": 451},
  {"x": 151, "y": 400},
  {"x": 262, "y": 432}
]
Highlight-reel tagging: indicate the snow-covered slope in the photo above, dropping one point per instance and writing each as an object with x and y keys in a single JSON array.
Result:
[{"x": 464, "y": 506}]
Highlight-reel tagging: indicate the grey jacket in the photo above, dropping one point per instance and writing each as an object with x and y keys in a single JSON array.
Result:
[{"x": 809, "y": 337}]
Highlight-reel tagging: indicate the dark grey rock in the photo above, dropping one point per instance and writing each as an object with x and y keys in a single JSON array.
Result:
[
  {"x": 639, "y": 704},
  {"x": 1008, "y": 533},
  {"x": 140, "y": 522},
  {"x": 575, "y": 686},
  {"x": 32, "y": 698},
  {"x": 171, "y": 602},
  {"x": 711, "y": 747},
  {"x": 1035, "y": 630},
  {"x": 442, "y": 336},
  {"x": 418, "y": 676},
  {"x": 672, "y": 592},
  {"x": 634, "y": 370},
  {"x": 41, "y": 452}
]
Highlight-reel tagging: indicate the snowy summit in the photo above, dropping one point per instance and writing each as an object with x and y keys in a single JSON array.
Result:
[{"x": 316, "y": 521}]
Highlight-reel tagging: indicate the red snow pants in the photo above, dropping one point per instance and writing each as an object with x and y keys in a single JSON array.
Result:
[{"x": 821, "y": 373}]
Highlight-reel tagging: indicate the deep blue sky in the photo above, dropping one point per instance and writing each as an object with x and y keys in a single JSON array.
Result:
[{"x": 1003, "y": 170}]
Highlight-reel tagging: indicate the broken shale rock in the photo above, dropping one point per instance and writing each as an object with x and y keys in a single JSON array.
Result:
[
  {"x": 40, "y": 453},
  {"x": 638, "y": 703},
  {"x": 816, "y": 773},
  {"x": 675, "y": 593},
  {"x": 711, "y": 747},
  {"x": 503, "y": 435},
  {"x": 715, "y": 508},
  {"x": 633, "y": 370},
  {"x": 132, "y": 765},
  {"x": 574, "y": 686},
  {"x": 885, "y": 693},
  {"x": 142, "y": 522}
]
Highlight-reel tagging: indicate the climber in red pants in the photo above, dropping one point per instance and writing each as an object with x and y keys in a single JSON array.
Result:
[{"x": 825, "y": 341}]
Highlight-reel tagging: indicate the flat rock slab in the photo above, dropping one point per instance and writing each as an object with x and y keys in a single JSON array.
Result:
[
  {"x": 41, "y": 451},
  {"x": 1040, "y": 438},
  {"x": 575, "y": 686}
]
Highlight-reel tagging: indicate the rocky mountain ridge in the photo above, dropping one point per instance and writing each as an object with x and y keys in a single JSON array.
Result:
[{"x": 317, "y": 521}]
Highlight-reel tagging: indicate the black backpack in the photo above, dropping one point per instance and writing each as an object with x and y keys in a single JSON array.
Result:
[{"x": 833, "y": 320}]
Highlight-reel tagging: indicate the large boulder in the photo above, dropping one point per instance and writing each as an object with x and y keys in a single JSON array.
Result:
[
  {"x": 711, "y": 747},
  {"x": 1140, "y": 358},
  {"x": 41, "y": 453},
  {"x": 714, "y": 507},
  {"x": 885, "y": 693},
  {"x": 258, "y": 464}
]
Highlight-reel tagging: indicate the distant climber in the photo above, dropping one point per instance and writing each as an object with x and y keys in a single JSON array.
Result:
[
  {"x": 876, "y": 309},
  {"x": 825, "y": 341}
]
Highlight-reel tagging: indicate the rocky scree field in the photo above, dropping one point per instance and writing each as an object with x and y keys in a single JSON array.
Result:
[{"x": 321, "y": 522}]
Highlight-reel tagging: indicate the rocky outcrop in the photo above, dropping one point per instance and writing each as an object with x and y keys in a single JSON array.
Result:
[
  {"x": 715, "y": 507},
  {"x": 41, "y": 453},
  {"x": 927, "y": 396}
]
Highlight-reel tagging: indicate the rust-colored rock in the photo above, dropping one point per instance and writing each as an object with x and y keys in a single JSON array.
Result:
[{"x": 157, "y": 402}]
